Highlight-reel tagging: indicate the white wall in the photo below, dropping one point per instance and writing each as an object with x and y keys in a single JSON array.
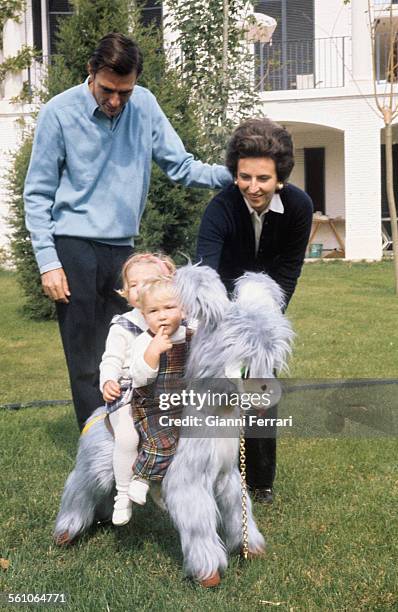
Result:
[
  {"x": 332, "y": 18},
  {"x": 353, "y": 172},
  {"x": 333, "y": 142},
  {"x": 14, "y": 35},
  {"x": 9, "y": 140},
  {"x": 297, "y": 176}
]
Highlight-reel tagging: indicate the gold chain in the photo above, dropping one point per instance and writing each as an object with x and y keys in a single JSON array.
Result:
[{"x": 242, "y": 463}]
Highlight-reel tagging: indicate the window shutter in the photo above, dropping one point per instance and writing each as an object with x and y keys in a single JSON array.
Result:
[
  {"x": 273, "y": 8},
  {"x": 36, "y": 18},
  {"x": 57, "y": 9},
  {"x": 151, "y": 13},
  {"x": 299, "y": 23},
  {"x": 300, "y": 19},
  {"x": 292, "y": 52}
]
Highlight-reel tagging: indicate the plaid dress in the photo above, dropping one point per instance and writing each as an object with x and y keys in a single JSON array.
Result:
[
  {"x": 125, "y": 382},
  {"x": 159, "y": 443}
]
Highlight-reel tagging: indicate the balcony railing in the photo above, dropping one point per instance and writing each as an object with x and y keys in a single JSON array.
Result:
[
  {"x": 300, "y": 64},
  {"x": 295, "y": 64}
]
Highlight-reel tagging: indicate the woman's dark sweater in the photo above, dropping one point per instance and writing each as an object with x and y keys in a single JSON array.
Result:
[{"x": 226, "y": 238}]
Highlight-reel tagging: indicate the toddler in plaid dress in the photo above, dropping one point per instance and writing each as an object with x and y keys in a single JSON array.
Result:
[
  {"x": 158, "y": 365},
  {"x": 115, "y": 380}
]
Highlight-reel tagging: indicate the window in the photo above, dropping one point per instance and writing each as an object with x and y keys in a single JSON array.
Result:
[
  {"x": 37, "y": 32},
  {"x": 57, "y": 9},
  {"x": 152, "y": 13},
  {"x": 282, "y": 65},
  {"x": 45, "y": 39},
  {"x": 386, "y": 54}
]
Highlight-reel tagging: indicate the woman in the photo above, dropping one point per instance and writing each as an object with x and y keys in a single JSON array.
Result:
[{"x": 260, "y": 224}]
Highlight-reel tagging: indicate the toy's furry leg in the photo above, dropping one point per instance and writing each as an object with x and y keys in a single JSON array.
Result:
[
  {"x": 194, "y": 513},
  {"x": 229, "y": 498},
  {"x": 88, "y": 489},
  {"x": 188, "y": 493}
]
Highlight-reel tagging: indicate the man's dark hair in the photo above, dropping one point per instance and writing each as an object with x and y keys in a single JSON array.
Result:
[
  {"x": 261, "y": 138},
  {"x": 118, "y": 53}
]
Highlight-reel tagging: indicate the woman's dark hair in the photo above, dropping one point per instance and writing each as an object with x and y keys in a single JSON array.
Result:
[
  {"x": 118, "y": 53},
  {"x": 261, "y": 138}
]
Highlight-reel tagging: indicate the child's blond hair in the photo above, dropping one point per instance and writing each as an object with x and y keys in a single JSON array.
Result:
[
  {"x": 154, "y": 285},
  {"x": 165, "y": 264}
]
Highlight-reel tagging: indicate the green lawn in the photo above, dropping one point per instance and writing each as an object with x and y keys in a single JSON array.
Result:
[
  {"x": 345, "y": 316},
  {"x": 32, "y": 362},
  {"x": 331, "y": 531}
]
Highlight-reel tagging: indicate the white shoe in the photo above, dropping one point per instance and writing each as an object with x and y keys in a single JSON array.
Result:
[
  {"x": 122, "y": 510},
  {"x": 137, "y": 491}
]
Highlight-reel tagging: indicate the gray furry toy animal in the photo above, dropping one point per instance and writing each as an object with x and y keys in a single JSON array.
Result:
[{"x": 202, "y": 488}]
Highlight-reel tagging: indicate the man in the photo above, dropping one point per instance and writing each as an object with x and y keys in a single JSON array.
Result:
[
  {"x": 258, "y": 225},
  {"x": 85, "y": 193}
]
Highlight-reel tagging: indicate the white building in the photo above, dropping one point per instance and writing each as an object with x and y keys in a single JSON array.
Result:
[
  {"x": 37, "y": 28},
  {"x": 321, "y": 89},
  {"x": 315, "y": 79}
]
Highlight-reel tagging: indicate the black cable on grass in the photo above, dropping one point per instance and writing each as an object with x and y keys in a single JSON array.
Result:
[
  {"x": 35, "y": 404},
  {"x": 365, "y": 382},
  {"x": 343, "y": 384}
]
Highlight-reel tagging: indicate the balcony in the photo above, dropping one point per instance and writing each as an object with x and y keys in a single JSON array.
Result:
[
  {"x": 292, "y": 65},
  {"x": 384, "y": 4},
  {"x": 300, "y": 64}
]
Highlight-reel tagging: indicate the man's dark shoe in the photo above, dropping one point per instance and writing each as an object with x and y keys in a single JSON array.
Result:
[{"x": 263, "y": 495}]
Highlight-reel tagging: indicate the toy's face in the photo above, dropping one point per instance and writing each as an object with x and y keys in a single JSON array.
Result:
[
  {"x": 257, "y": 181},
  {"x": 162, "y": 309},
  {"x": 261, "y": 393}
]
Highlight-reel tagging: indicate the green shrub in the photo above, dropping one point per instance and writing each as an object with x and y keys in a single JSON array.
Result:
[
  {"x": 37, "y": 306},
  {"x": 171, "y": 218}
]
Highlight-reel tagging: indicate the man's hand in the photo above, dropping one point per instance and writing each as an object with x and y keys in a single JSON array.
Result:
[
  {"x": 158, "y": 345},
  {"x": 111, "y": 391},
  {"x": 55, "y": 285}
]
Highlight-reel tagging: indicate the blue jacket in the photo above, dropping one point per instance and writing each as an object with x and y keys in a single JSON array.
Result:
[{"x": 89, "y": 175}]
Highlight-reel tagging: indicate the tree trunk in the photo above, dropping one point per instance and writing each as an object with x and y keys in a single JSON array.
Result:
[{"x": 391, "y": 200}]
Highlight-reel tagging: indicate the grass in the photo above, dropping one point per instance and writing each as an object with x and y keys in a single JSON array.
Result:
[
  {"x": 345, "y": 318},
  {"x": 331, "y": 531},
  {"x": 29, "y": 350}
]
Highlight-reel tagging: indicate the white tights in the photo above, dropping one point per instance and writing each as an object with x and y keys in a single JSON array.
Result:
[{"x": 125, "y": 448}]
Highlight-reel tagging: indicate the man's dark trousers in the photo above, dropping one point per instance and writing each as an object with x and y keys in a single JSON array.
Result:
[{"x": 93, "y": 273}]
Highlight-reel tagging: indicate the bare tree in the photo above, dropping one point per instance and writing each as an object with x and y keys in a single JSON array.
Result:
[{"x": 387, "y": 106}]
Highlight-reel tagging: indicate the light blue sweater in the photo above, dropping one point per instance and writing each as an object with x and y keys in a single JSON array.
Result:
[{"x": 89, "y": 175}]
